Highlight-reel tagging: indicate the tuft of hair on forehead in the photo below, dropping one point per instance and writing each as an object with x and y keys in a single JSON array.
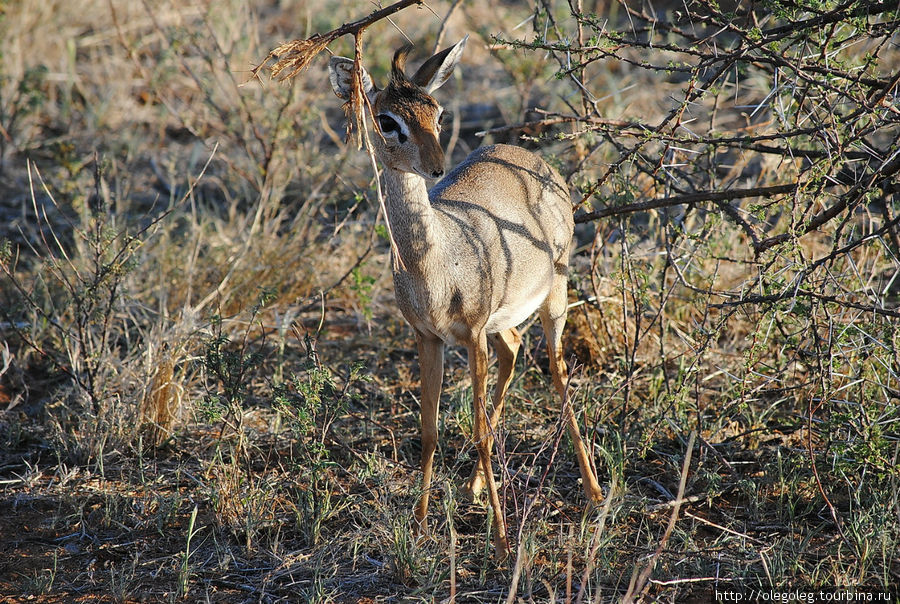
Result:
[{"x": 398, "y": 64}]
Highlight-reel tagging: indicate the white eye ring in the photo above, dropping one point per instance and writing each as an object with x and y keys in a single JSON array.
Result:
[{"x": 391, "y": 125}]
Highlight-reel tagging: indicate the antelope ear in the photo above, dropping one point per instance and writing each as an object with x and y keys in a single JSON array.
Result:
[
  {"x": 340, "y": 72},
  {"x": 436, "y": 70}
]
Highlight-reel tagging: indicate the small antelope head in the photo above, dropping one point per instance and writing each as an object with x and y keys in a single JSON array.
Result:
[{"x": 408, "y": 117}]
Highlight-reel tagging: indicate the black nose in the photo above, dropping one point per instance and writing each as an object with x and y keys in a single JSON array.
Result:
[{"x": 437, "y": 173}]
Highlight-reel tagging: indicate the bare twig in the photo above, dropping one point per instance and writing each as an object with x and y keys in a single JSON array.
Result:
[
  {"x": 639, "y": 579},
  {"x": 552, "y": 121},
  {"x": 293, "y": 57},
  {"x": 665, "y": 202},
  {"x": 439, "y": 39},
  {"x": 802, "y": 293}
]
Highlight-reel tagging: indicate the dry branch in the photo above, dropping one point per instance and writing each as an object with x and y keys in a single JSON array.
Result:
[
  {"x": 641, "y": 576},
  {"x": 691, "y": 198},
  {"x": 802, "y": 293},
  {"x": 293, "y": 57}
]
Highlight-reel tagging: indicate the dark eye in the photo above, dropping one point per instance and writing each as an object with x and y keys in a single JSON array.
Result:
[
  {"x": 387, "y": 124},
  {"x": 445, "y": 118}
]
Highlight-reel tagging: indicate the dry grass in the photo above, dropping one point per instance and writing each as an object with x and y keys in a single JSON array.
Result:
[{"x": 209, "y": 394}]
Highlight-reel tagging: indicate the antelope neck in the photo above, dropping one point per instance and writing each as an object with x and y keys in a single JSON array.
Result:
[{"x": 413, "y": 222}]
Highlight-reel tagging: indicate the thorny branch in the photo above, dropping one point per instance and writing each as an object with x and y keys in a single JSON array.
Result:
[{"x": 832, "y": 125}]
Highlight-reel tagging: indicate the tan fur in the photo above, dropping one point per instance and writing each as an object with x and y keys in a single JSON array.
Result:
[{"x": 488, "y": 246}]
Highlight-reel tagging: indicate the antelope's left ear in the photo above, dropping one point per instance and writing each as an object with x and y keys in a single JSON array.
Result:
[
  {"x": 436, "y": 70},
  {"x": 340, "y": 72}
]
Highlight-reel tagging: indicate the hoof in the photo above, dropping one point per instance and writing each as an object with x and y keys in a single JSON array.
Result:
[
  {"x": 594, "y": 494},
  {"x": 501, "y": 551},
  {"x": 420, "y": 526},
  {"x": 474, "y": 485}
]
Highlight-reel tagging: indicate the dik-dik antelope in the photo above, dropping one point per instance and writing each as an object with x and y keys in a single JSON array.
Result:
[{"x": 479, "y": 253}]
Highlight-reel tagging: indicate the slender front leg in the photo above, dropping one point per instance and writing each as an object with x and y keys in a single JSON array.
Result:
[
  {"x": 553, "y": 320},
  {"x": 431, "y": 370},
  {"x": 477, "y": 350},
  {"x": 506, "y": 344}
]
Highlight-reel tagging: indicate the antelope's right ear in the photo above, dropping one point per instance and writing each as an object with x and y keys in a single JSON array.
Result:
[
  {"x": 340, "y": 72},
  {"x": 436, "y": 70}
]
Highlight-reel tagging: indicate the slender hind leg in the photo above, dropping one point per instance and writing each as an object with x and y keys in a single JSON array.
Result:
[
  {"x": 477, "y": 350},
  {"x": 553, "y": 320},
  {"x": 506, "y": 344}
]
